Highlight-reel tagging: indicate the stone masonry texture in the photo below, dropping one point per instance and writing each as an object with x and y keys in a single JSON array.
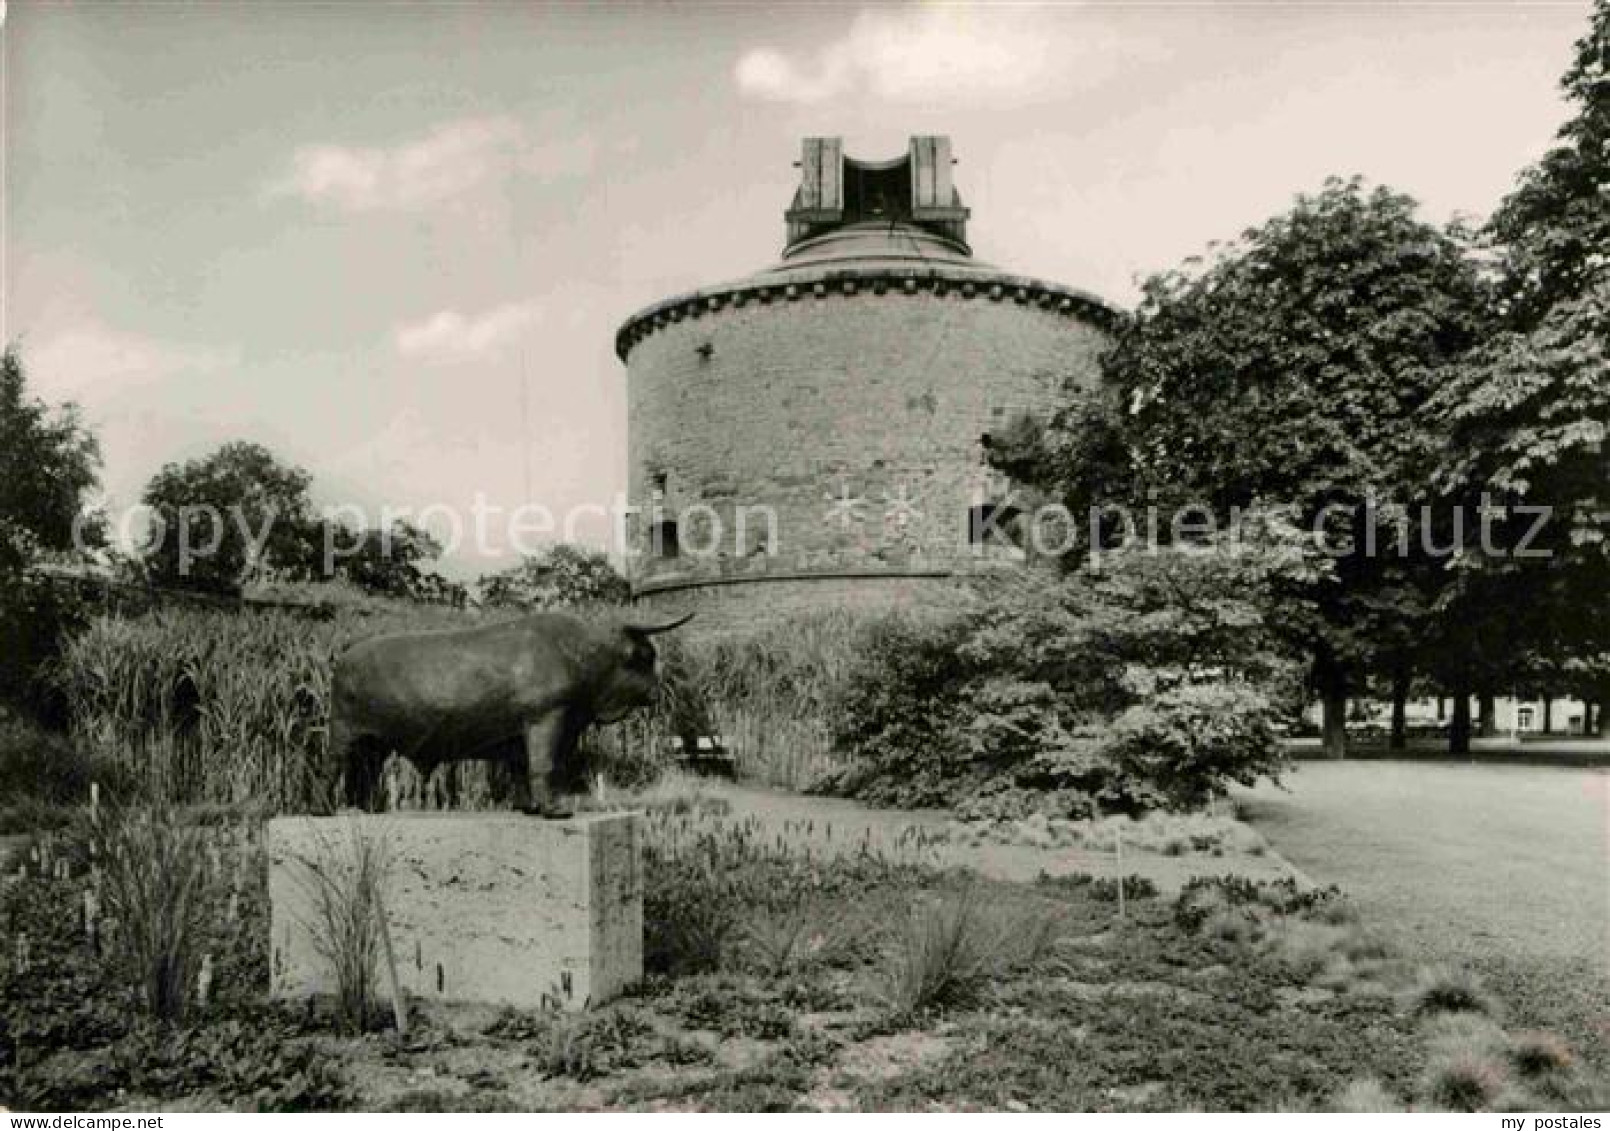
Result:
[{"x": 855, "y": 413}]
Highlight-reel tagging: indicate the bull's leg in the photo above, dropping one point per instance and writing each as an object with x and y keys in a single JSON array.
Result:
[
  {"x": 361, "y": 769},
  {"x": 329, "y": 785},
  {"x": 569, "y": 765},
  {"x": 545, "y": 749},
  {"x": 343, "y": 784}
]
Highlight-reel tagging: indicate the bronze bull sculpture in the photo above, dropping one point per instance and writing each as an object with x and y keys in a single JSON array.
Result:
[{"x": 520, "y": 692}]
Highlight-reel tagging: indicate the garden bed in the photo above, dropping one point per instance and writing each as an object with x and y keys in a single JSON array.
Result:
[{"x": 786, "y": 978}]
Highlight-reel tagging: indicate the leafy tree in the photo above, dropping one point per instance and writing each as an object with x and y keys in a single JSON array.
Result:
[
  {"x": 239, "y": 514},
  {"x": 49, "y": 463},
  {"x": 1293, "y": 368},
  {"x": 1527, "y": 420},
  {"x": 1081, "y": 460},
  {"x": 227, "y": 516},
  {"x": 1555, "y": 226},
  {"x": 561, "y": 575},
  {"x": 385, "y": 563},
  {"x": 435, "y": 589}
]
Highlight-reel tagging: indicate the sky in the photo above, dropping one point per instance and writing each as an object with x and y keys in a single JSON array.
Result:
[{"x": 393, "y": 242}]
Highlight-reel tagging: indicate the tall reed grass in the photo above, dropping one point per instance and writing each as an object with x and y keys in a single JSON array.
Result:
[
  {"x": 213, "y": 706},
  {"x": 198, "y": 705},
  {"x": 772, "y": 695}
]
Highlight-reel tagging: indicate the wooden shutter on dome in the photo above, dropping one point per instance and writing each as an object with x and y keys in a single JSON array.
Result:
[
  {"x": 933, "y": 197},
  {"x": 821, "y": 182}
]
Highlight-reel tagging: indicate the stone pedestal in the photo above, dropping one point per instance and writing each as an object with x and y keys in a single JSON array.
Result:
[{"x": 498, "y": 908}]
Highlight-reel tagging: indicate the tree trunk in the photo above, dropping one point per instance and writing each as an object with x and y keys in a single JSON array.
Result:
[
  {"x": 1484, "y": 723},
  {"x": 1331, "y": 683},
  {"x": 1548, "y": 714},
  {"x": 1400, "y": 710},
  {"x": 1334, "y": 741},
  {"x": 1459, "y": 728}
]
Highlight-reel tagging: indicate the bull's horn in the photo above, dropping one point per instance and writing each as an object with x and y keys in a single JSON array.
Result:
[{"x": 656, "y": 629}]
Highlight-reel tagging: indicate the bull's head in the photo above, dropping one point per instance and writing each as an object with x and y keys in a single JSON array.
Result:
[{"x": 630, "y": 681}]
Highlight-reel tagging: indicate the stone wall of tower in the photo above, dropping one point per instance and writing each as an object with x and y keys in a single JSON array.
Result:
[
  {"x": 741, "y": 607},
  {"x": 853, "y": 412}
]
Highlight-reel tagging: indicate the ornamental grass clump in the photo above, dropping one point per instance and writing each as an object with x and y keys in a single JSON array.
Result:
[
  {"x": 948, "y": 947},
  {"x": 157, "y": 895},
  {"x": 345, "y": 879},
  {"x": 1443, "y": 991}
]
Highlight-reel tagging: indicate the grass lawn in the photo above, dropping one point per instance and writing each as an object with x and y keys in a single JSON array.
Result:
[
  {"x": 1501, "y": 869},
  {"x": 1530, "y": 749}
]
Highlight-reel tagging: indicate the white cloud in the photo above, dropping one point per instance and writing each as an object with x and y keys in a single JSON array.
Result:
[
  {"x": 950, "y": 53},
  {"x": 453, "y": 159},
  {"x": 91, "y": 358},
  {"x": 450, "y": 337}
]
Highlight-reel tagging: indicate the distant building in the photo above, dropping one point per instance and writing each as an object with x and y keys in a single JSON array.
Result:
[
  {"x": 1510, "y": 716},
  {"x": 814, "y": 435}
]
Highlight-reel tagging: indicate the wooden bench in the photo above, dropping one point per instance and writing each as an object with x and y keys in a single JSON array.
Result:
[{"x": 706, "y": 756}]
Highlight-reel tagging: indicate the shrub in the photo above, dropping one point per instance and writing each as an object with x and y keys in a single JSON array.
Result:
[
  {"x": 439, "y": 1100},
  {"x": 39, "y": 765},
  {"x": 1190, "y": 739},
  {"x": 1000, "y": 801},
  {"x": 764, "y": 1019},
  {"x": 1171, "y": 834},
  {"x": 1150, "y": 682},
  {"x": 562, "y": 575},
  {"x": 1334, "y": 955},
  {"x": 898, "y": 716},
  {"x": 1103, "y": 889},
  {"x": 684, "y": 1051},
  {"x": 45, "y": 777},
  {"x": 1203, "y": 896}
]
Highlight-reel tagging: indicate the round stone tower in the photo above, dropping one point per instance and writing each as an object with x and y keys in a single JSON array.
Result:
[{"x": 814, "y": 435}]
